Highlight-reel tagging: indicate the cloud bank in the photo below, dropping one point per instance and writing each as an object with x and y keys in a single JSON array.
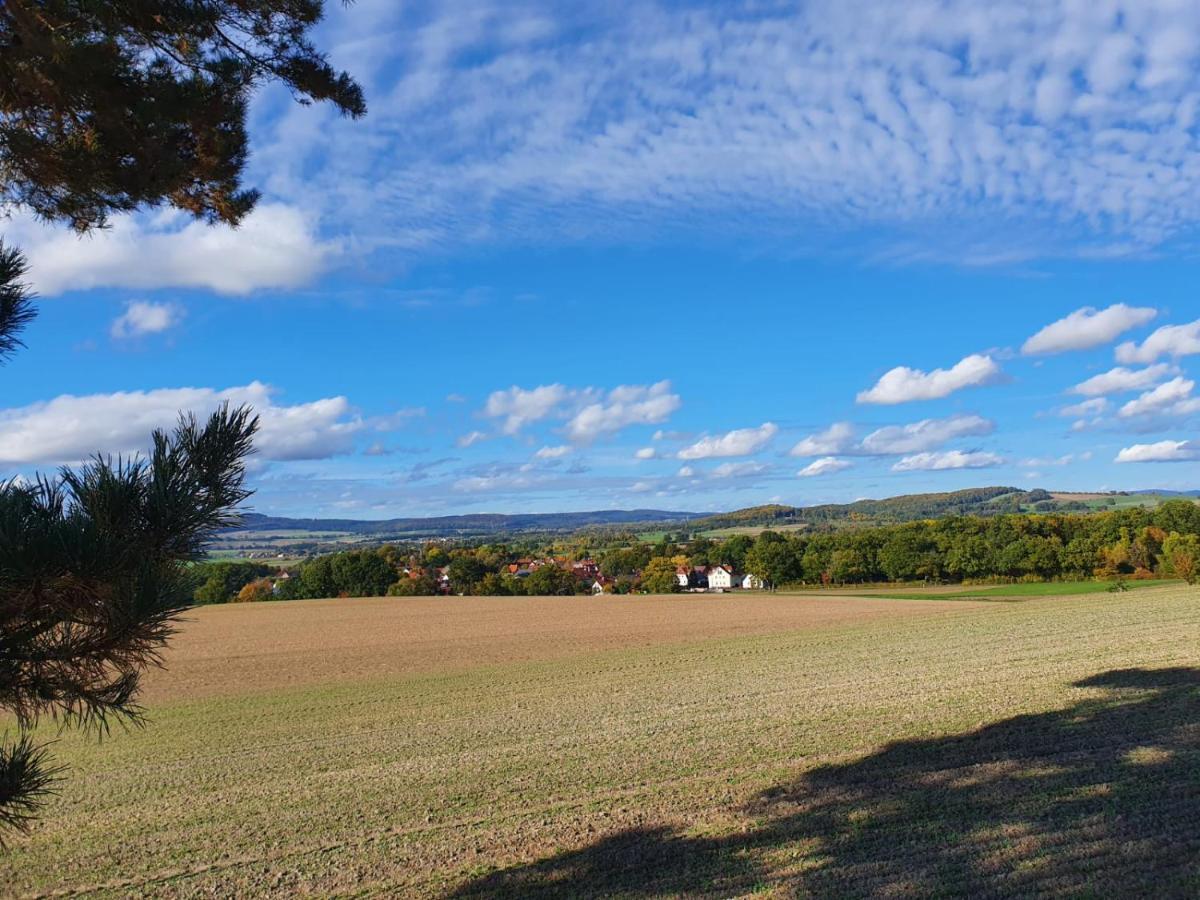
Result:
[{"x": 71, "y": 428}]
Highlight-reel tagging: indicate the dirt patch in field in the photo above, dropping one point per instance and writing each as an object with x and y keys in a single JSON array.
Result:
[{"x": 226, "y": 649}]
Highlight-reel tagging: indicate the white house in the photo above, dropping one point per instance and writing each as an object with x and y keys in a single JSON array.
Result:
[
  {"x": 753, "y": 583},
  {"x": 720, "y": 578}
]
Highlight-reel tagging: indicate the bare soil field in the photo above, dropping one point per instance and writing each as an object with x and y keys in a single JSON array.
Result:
[
  {"x": 222, "y": 649},
  {"x": 648, "y": 747}
]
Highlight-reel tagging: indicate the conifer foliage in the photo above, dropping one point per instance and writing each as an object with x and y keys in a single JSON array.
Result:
[
  {"x": 105, "y": 108},
  {"x": 92, "y": 576}
]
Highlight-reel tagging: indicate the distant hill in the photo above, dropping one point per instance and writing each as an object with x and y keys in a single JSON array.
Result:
[
  {"x": 1167, "y": 493},
  {"x": 268, "y": 537},
  {"x": 984, "y": 501},
  {"x": 460, "y": 526},
  {"x": 973, "y": 501}
]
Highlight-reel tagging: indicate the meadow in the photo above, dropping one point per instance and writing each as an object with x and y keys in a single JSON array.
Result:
[
  {"x": 1017, "y": 591},
  {"x": 708, "y": 745}
]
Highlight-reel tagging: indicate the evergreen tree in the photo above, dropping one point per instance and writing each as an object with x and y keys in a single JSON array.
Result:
[
  {"x": 107, "y": 108},
  {"x": 92, "y": 575}
]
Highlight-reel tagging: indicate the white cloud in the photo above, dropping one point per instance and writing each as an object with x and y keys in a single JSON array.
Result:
[
  {"x": 949, "y": 459},
  {"x": 70, "y": 428},
  {"x": 519, "y": 407},
  {"x": 500, "y": 481},
  {"x": 591, "y": 412},
  {"x": 626, "y": 405},
  {"x": 837, "y": 438},
  {"x": 1011, "y": 129},
  {"x": 928, "y": 434},
  {"x": 471, "y": 438},
  {"x": 686, "y": 472},
  {"x": 739, "y": 470},
  {"x": 1064, "y": 460},
  {"x": 1171, "y": 398},
  {"x": 645, "y": 453},
  {"x": 395, "y": 420},
  {"x": 1162, "y": 451},
  {"x": 553, "y": 452},
  {"x": 1170, "y": 340},
  {"x": 827, "y": 465},
  {"x": 1121, "y": 379},
  {"x": 739, "y": 442},
  {"x": 275, "y": 247},
  {"x": 143, "y": 317},
  {"x": 904, "y": 385},
  {"x": 1088, "y": 327},
  {"x": 1093, "y": 407}
]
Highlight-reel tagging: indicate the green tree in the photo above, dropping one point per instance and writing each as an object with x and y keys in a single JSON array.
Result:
[
  {"x": 465, "y": 572},
  {"x": 104, "y": 108},
  {"x": 492, "y": 585},
  {"x": 550, "y": 580},
  {"x": 659, "y": 576},
  {"x": 514, "y": 585},
  {"x": 316, "y": 578},
  {"x": 625, "y": 561},
  {"x": 772, "y": 558},
  {"x": 16, "y": 301},
  {"x": 903, "y": 555},
  {"x": 361, "y": 573},
  {"x": 290, "y": 588},
  {"x": 108, "y": 107},
  {"x": 417, "y": 586},
  {"x": 847, "y": 565},
  {"x": 93, "y": 572},
  {"x": 222, "y": 580},
  {"x": 1182, "y": 554},
  {"x": 732, "y": 551},
  {"x": 1182, "y": 516}
]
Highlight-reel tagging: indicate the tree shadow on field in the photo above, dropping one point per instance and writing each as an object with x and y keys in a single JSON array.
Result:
[{"x": 1100, "y": 799}]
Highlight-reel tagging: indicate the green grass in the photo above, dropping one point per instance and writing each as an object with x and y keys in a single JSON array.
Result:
[
  {"x": 1040, "y": 748},
  {"x": 654, "y": 537},
  {"x": 1006, "y": 591},
  {"x": 754, "y": 530},
  {"x": 1128, "y": 501}
]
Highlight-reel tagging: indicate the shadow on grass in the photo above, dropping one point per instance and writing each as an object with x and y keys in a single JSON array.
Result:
[{"x": 1099, "y": 799}]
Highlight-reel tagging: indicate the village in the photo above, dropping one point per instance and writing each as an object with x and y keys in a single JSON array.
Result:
[{"x": 588, "y": 577}]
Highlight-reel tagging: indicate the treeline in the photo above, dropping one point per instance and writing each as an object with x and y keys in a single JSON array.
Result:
[
  {"x": 1134, "y": 543},
  {"x": 394, "y": 570}
]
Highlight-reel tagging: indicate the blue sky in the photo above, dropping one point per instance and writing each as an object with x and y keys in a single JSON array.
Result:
[{"x": 676, "y": 256}]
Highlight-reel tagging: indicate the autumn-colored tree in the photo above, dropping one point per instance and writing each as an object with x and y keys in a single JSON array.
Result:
[{"x": 257, "y": 591}]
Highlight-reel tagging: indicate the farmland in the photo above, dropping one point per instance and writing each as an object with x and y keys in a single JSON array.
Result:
[{"x": 827, "y": 745}]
